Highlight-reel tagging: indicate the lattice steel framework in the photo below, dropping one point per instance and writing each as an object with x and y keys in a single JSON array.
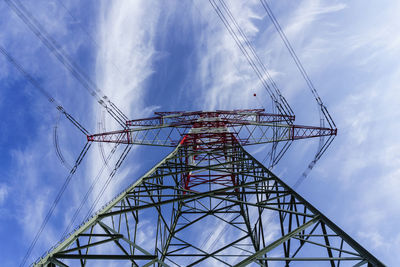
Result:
[
  {"x": 209, "y": 202},
  {"x": 249, "y": 126}
]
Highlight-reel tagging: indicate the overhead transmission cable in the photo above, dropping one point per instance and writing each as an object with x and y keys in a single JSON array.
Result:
[
  {"x": 323, "y": 146},
  {"x": 298, "y": 63},
  {"x": 261, "y": 71},
  {"x": 77, "y": 162},
  {"x": 250, "y": 58},
  {"x": 110, "y": 177},
  {"x": 76, "y": 20},
  {"x": 274, "y": 158},
  {"x": 255, "y": 63},
  {"x": 255, "y": 55},
  {"x": 61, "y": 2},
  {"x": 86, "y": 82},
  {"x": 55, "y": 202},
  {"x": 18, "y": 8},
  {"x": 46, "y": 94},
  {"x": 89, "y": 191}
]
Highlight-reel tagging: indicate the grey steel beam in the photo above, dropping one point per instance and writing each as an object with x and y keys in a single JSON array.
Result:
[
  {"x": 104, "y": 257},
  {"x": 257, "y": 189},
  {"x": 313, "y": 259},
  {"x": 349, "y": 240},
  {"x": 276, "y": 243}
]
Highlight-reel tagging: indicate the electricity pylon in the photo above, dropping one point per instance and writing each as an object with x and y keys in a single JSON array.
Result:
[{"x": 209, "y": 202}]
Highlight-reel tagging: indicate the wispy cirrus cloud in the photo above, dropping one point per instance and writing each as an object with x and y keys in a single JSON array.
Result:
[
  {"x": 4, "y": 190},
  {"x": 32, "y": 169},
  {"x": 226, "y": 79},
  {"x": 362, "y": 167},
  {"x": 303, "y": 18},
  {"x": 126, "y": 36},
  {"x": 349, "y": 51},
  {"x": 345, "y": 56},
  {"x": 124, "y": 63}
]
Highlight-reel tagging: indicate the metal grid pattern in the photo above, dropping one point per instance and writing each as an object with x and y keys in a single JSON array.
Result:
[{"x": 209, "y": 203}]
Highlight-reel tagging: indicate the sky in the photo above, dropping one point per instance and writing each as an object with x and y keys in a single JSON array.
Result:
[{"x": 151, "y": 56}]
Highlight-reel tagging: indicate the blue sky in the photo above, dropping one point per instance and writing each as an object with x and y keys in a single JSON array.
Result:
[{"x": 172, "y": 55}]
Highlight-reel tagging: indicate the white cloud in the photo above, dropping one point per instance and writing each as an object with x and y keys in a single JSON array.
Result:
[
  {"x": 35, "y": 188},
  {"x": 225, "y": 77},
  {"x": 226, "y": 81},
  {"x": 366, "y": 156},
  {"x": 124, "y": 61},
  {"x": 353, "y": 54},
  {"x": 126, "y": 52},
  {"x": 309, "y": 12},
  {"x": 363, "y": 166},
  {"x": 34, "y": 169},
  {"x": 4, "y": 189}
]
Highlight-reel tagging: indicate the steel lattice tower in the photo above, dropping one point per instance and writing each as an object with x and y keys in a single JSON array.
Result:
[{"x": 209, "y": 202}]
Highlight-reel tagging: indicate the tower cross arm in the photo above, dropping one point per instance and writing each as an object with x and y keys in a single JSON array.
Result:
[{"x": 248, "y": 133}]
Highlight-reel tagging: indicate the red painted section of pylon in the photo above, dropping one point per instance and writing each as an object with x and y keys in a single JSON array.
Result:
[
  {"x": 202, "y": 131},
  {"x": 232, "y": 119},
  {"x": 207, "y": 140}
]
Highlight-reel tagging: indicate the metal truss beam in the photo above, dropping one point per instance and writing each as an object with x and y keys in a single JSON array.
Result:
[
  {"x": 249, "y": 127},
  {"x": 254, "y": 218},
  {"x": 209, "y": 201}
]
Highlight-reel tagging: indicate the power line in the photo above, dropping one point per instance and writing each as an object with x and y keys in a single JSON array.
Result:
[
  {"x": 18, "y": 8},
  {"x": 298, "y": 62},
  {"x": 89, "y": 191},
  {"x": 54, "y": 102},
  {"x": 110, "y": 177},
  {"x": 249, "y": 56},
  {"x": 323, "y": 146},
  {"x": 46, "y": 94},
  {"x": 75, "y": 70},
  {"x": 55, "y": 202},
  {"x": 86, "y": 32},
  {"x": 255, "y": 55},
  {"x": 279, "y": 101}
]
